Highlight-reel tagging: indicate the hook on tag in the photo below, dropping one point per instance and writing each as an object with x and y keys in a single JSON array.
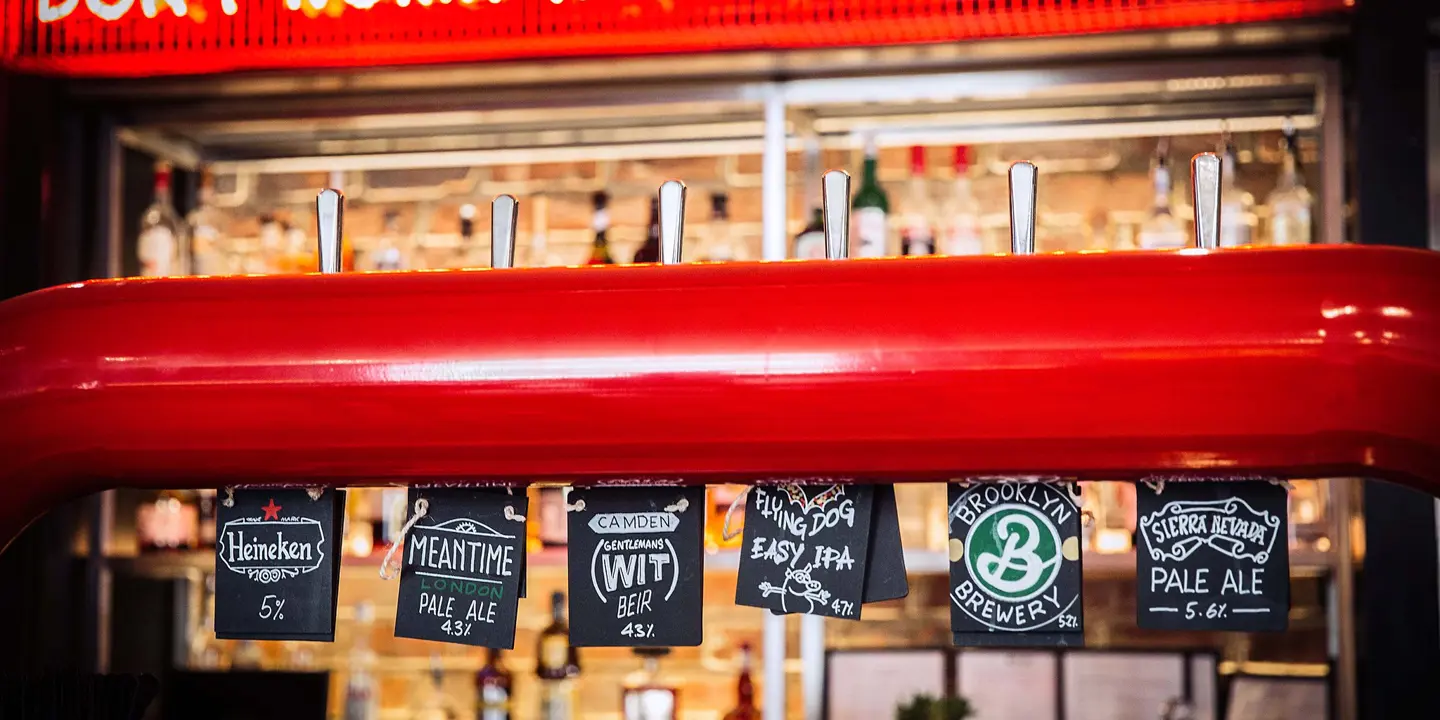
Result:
[
  {"x": 1283, "y": 483},
  {"x": 577, "y": 506},
  {"x": 679, "y": 506},
  {"x": 229, "y": 500},
  {"x": 725, "y": 532},
  {"x": 387, "y": 570},
  {"x": 510, "y": 514},
  {"x": 315, "y": 492},
  {"x": 1157, "y": 485}
]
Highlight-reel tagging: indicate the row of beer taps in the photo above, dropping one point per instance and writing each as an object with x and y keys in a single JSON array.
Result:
[{"x": 835, "y": 186}]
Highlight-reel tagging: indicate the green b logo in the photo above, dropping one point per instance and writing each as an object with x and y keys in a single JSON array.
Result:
[{"x": 1013, "y": 552}]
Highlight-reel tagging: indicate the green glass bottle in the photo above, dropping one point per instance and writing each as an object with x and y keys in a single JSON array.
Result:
[{"x": 870, "y": 214}]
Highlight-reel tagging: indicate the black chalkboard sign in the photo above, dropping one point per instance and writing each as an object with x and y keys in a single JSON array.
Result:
[
  {"x": 1015, "y": 565},
  {"x": 885, "y": 567},
  {"x": 461, "y": 567},
  {"x": 806, "y": 549},
  {"x": 637, "y": 566},
  {"x": 1212, "y": 556},
  {"x": 277, "y": 565}
]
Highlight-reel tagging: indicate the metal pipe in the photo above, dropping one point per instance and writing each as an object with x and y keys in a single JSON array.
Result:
[{"x": 774, "y": 240}]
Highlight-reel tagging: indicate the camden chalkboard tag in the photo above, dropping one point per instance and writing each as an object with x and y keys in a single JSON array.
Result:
[
  {"x": 806, "y": 549},
  {"x": 1212, "y": 556},
  {"x": 637, "y": 566},
  {"x": 276, "y": 567},
  {"x": 461, "y": 566},
  {"x": 1015, "y": 574}
]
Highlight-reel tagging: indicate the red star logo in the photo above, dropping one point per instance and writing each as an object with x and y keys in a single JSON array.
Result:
[{"x": 272, "y": 511}]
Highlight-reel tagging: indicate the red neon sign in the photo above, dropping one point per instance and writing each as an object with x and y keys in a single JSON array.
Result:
[{"x": 149, "y": 37}]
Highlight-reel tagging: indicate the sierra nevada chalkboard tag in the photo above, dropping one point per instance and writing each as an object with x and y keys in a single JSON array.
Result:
[
  {"x": 637, "y": 566},
  {"x": 276, "y": 565},
  {"x": 462, "y": 563},
  {"x": 1212, "y": 556},
  {"x": 1015, "y": 565},
  {"x": 806, "y": 549}
]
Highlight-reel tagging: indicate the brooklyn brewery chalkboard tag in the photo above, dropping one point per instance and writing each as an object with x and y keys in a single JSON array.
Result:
[
  {"x": 806, "y": 549},
  {"x": 1015, "y": 565},
  {"x": 637, "y": 566},
  {"x": 1212, "y": 556},
  {"x": 276, "y": 568},
  {"x": 461, "y": 567}
]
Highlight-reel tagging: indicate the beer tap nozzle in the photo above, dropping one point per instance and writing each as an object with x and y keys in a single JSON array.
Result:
[
  {"x": 504, "y": 212},
  {"x": 1024, "y": 177},
  {"x": 835, "y": 200},
  {"x": 329, "y": 220}
]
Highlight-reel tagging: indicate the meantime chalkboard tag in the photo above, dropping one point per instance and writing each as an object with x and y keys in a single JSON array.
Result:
[
  {"x": 1213, "y": 556},
  {"x": 637, "y": 566},
  {"x": 806, "y": 549},
  {"x": 1015, "y": 565},
  {"x": 461, "y": 567},
  {"x": 276, "y": 568}
]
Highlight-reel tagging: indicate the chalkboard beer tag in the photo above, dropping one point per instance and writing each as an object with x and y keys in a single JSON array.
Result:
[
  {"x": 276, "y": 568},
  {"x": 885, "y": 567},
  {"x": 1015, "y": 574},
  {"x": 806, "y": 549},
  {"x": 637, "y": 566},
  {"x": 1213, "y": 556},
  {"x": 461, "y": 566}
]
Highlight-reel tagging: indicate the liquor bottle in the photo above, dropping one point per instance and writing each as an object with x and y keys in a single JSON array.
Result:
[
  {"x": 649, "y": 252},
  {"x": 163, "y": 245},
  {"x": 600, "y": 222},
  {"x": 206, "y": 652},
  {"x": 1237, "y": 207},
  {"x": 744, "y": 691},
  {"x": 430, "y": 701},
  {"x": 554, "y": 526},
  {"x": 557, "y": 665},
  {"x": 1161, "y": 228},
  {"x": 466, "y": 246},
  {"x": 361, "y": 689},
  {"x": 719, "y": 245},
  {"x": 169, "y": 522},
  {"x": 871, "y": 208},
  {"x": 963, "y": 235},
  {"x": 1289, "y": 203},
  {"x": 205, "y": 503},
  {"x": 810, "y": 243},
  {"x": 645, "y": 695},
  {"x": 492, "y": 688},
  {"x": 918, "y": 237},
  {"x": 208, "y": 258}
]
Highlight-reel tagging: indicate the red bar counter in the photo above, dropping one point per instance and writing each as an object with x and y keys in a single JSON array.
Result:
[{"x": 1308, "y": 362}]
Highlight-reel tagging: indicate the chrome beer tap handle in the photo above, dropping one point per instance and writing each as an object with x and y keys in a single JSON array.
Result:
[
  {"x": 504, "y": 212},
  {"x": 1205, "y": 186},
  {"x": 329, "y": 220},
  {"x": 672, "y": 221},
  {"x": 1024, "y": 177},
  {"x": 835, "y": 200}
]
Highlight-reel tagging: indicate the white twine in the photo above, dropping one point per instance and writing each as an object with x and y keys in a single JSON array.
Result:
[
  {"x": 1283, "y": 483},
  {"x": 679, "y": 506},
  {"x": 315, "y": 492},
  {"x": 577, "y": 506},
  {"x": 1157, "y": 485},
  {"x": 510, "y": 514},
  {"x": 387, "y": 571},
  {"x": 725, "y": 532},
  {"x": 229, "y": 500}
]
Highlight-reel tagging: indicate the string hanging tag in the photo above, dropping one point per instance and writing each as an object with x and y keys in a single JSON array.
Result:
[
  {"x": 229, "y": 500},
  {"x": 315, "y": 492},
  {"x": 739, "y": 501},
  {"x": 1157, "y": 485},
  {"x": 387, "y": 570},
  {"x": 678, "y": 506},
  {"x": 577, "y": 506}
]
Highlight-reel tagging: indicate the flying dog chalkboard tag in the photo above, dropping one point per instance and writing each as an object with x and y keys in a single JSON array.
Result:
[
  {"x": 637, "y": 566},
  {"x": 276, "y": 569},
  {"x": 806, "y": 549},
  {"x": 461, "y": 567},
  {"x": 885, "y": 567},
  {"x": 1212, "y": 556},
  {"x": 1015, "y": 574}
]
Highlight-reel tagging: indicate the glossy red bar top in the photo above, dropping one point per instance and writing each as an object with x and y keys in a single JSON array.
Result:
[{"x": 1305, "y": 362}]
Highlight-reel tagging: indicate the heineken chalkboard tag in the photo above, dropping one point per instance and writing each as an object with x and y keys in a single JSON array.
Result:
[
  {"x": 637, "y": 566},
  {"x": 1212, "y": 556},
  {"x": 461, "y": 566},
  {"x": 276, "y": 565},
  {"x": 1015, "y": 565},
  {"x": 806, "y": 549}
]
